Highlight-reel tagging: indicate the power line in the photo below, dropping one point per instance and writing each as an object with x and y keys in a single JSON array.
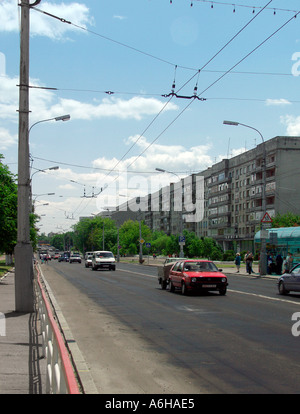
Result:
[
  {"x": 236, "y": 5},
  {"x": 250, "y": 53},
  {"x": 216, "y": 81},
  {"x": 224, "y": 74}
]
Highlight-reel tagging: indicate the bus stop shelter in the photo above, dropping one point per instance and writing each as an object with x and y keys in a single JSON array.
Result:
[{"x": 282, "y": 240}]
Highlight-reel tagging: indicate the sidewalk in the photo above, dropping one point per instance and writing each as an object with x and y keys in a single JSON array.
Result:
[
  {"x": 226, "y": 268},
  {"x": 22, "y": 371}
]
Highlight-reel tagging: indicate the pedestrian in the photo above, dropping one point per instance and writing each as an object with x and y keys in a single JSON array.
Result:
[
  {"x": 269, "y": 264},
  {"x": 279, "y": 261},
  {"x": 237, "y": 262},
  {"x": 290, "y": 261},
  {"x": 249, "y": 261}
]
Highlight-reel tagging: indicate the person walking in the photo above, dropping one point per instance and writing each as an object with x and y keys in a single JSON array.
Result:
[
  {"x": 290, "y": 261},
  {"x": 249, "y": 261},
  {"x": 279, "y": 262},
  {"x": 237, "y": 262}
]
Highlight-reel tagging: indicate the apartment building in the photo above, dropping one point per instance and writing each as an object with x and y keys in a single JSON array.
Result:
[
  {"x": 231, "y": 198},
  {"x": 234, "y": 192}
]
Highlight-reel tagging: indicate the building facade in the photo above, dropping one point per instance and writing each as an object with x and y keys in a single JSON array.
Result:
[{"x": 231, "y": 198}]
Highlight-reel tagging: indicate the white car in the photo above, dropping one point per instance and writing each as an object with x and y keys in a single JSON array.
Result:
[
  {"x": 88, "y": 259},
  {"x": 103, "y": 259}
]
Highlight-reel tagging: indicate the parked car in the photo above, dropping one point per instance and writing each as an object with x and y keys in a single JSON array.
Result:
[
  {"x": 75, "y": 258},
  {"x": 197, "y": 275},
  {"x": 163, "y": 271},
  {"x": 88, "y": 259},
  {"x": 290, "y": 281},
  {"x": 103, "y": 259},
  {"x": 56, "y": 256}
]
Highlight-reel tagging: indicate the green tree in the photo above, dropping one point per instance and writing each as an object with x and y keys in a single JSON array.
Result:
[
  {"x": 286, "y": 220},
  {"x": 57, "y": 241},
  {"x": 129, "y": 236},
  {"x": 8, "y": 209}
]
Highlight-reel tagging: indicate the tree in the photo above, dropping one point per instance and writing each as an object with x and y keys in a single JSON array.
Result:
[
  {"x": 88, "y": 234},
  {"x": 58, "y": 241},
  {"x": 8, "y": 209},
  {"x": 286, "y": 220},
  {"x": 129, "y": 236}
]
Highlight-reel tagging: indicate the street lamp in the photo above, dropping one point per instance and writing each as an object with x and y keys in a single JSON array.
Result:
[
  {"x": 263, "y": 253},
  {"x": 181, "y": 254},
  {"x": 57, "y": 118},
  {"x": 45, "y": 169},
  {"x": 30, "y": 191},
  {"x": 169, "y": 172}
]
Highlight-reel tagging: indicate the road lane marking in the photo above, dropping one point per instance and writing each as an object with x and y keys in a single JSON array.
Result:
[
  {"x": 136, "y": 273},
  {"x": 228, "y": 290},
  {"x": 263, "y": 296}
]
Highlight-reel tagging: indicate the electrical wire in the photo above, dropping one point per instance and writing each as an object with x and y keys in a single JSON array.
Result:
[
  {"x": 235, "y": 5},
  {"x": 170, "y": 63},
  {"x": 216, "y": 81},
  {"x": 175, "y": 67}
]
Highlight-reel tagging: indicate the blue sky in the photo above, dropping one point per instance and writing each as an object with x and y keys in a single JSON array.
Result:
[{"x": 136, "y": 49}]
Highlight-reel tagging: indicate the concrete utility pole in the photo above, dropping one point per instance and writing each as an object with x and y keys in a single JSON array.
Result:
[{"x": 23, "y": 251}]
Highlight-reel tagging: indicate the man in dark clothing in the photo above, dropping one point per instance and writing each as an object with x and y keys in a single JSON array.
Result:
[{"x": 279, "y": 261}]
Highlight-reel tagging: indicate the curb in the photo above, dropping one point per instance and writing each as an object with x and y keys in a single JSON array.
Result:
[{"x": 82, "y": 369}]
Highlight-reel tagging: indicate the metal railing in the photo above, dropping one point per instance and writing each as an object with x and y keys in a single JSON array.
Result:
[{"x": 60, "y": 374}]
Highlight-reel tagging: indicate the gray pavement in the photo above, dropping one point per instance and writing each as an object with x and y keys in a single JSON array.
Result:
[{"x": 22, "y": 370}]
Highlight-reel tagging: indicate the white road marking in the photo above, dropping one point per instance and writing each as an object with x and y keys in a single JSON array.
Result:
[
  {"x": 228, "y": 290},
  {"x": 263, "y": 296}
]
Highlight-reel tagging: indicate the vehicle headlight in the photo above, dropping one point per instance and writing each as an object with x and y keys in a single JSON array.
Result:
[
  {"x": 223, "y": 279},
  {"x": 194, "y": 279}
]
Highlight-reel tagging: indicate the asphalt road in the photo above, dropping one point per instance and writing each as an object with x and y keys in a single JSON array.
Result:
[{"x": 137, "y": 338}]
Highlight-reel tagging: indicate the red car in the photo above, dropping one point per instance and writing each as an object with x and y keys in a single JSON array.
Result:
[{"x": 200, "y": 275}]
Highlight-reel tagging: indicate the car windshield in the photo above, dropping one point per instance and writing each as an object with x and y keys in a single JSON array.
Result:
[
  {"x": 104, "y": 254},
  {"x": 200, "y": 267}
]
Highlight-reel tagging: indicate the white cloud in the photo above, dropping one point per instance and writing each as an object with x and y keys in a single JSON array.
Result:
[
  {"x": 43, "y": 25},
  {"x": 6, "y": 139},
  {"x": 66, "y": 187},
  {"x": 44, "y": 104},
  {"x": 134, "y": 108},
  {"x": 119, "y": 17},
  {"x": 270, "y": 102},
  {"x": 175, "y": 158},
  {"x": 292, "y": 124}
]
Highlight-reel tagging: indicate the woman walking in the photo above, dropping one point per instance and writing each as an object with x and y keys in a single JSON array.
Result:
[{"x": 238, "y": 262}]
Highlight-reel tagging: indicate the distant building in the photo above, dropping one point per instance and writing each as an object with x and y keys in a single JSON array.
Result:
[{"x": 233, "y": 205}]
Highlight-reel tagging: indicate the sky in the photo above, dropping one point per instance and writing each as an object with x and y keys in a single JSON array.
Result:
[{"x": 147, "y": 84}]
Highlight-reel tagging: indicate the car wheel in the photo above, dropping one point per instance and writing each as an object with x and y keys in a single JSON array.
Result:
[
  {"x": 281, "y": 289},
  {"x": 183, "y": 289},
  {"x": 172, "y": 288},
  {"x": 223, "y": 291}
]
